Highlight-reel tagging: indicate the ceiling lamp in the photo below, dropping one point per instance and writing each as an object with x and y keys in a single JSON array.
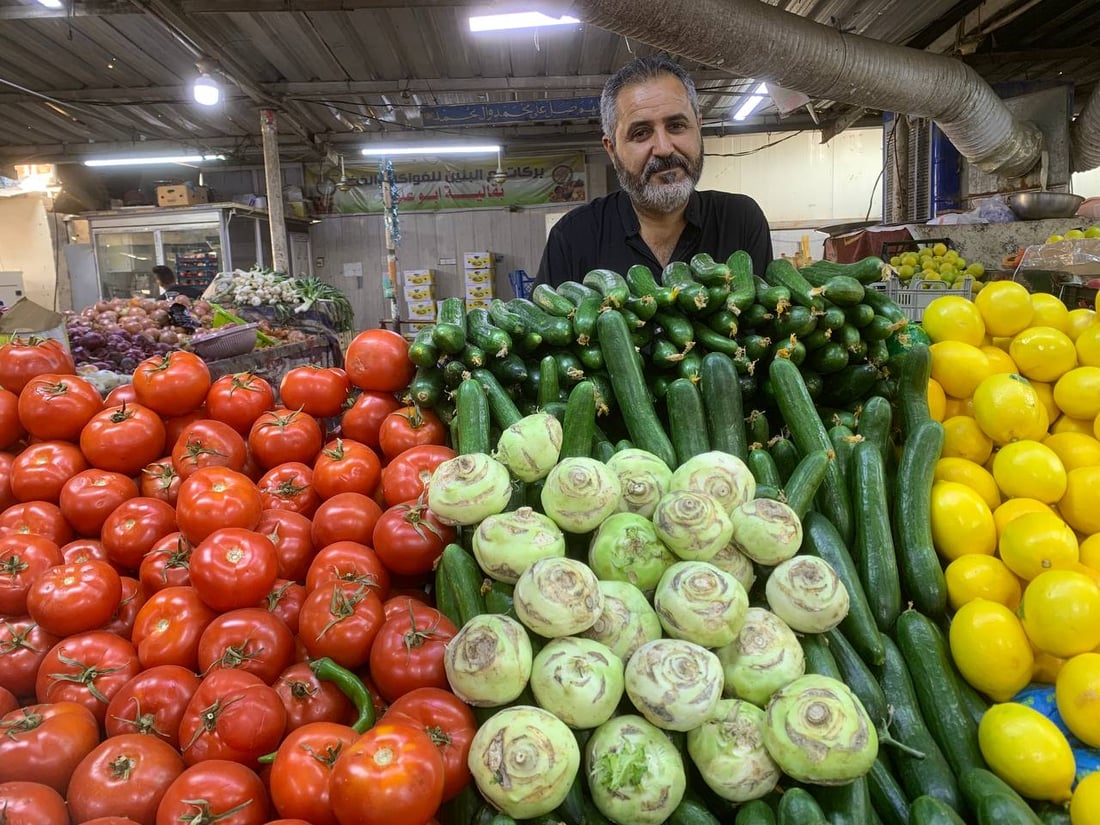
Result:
[
  {"x": 430, "y": 149},
  {"x": 149, "y": 160},
  {"x": 518, "y": 20},
  {"x": 752, "y": 102},
  {"x": 51, "y": 4},
  {"x": 206, "y": 90}
]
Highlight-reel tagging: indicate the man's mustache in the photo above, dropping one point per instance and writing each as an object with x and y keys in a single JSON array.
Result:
[{"x": 666, "y": 164}]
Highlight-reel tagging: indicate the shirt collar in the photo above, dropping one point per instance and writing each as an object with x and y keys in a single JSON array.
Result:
[{"x": 693, "y": 214}]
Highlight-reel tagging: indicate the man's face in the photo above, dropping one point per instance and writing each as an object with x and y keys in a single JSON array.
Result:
[{"x": 657, "y": 149}]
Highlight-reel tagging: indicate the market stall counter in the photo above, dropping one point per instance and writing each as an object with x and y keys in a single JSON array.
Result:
[{"x": 272, "y": 363}]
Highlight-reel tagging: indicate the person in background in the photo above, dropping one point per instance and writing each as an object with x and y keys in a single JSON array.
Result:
[
  {"x": 652, "y": 132},
  {"x": 170, "y": 288}
]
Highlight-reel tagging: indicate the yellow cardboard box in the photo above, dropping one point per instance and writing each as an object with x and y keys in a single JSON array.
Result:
[{"x": 478, "y": 260}]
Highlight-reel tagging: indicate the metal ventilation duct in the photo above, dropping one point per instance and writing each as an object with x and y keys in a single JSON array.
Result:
[
  {"x": 1085, "y": 135},
  {"x": 750, "y": 38}
]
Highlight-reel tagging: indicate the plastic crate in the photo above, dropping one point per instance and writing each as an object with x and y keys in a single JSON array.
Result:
[
  {"x": 1078, "y": 296},
  {"x": 915, "y": 298},
  {"x": 892, "y": 248},
  {"x": 522, "y": 283}
]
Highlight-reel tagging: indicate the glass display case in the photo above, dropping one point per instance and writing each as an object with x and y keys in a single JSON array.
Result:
[{"x": 196, "y": 242}]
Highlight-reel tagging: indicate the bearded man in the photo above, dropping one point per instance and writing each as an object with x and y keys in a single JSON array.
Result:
[{"x": 649, "y": 112}]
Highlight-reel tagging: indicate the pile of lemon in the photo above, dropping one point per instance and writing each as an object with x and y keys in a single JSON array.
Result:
[
  {"x": 937, "y": 263},
  {"x": 1076, "y": 234},
  {"x": 1016, "y": 520}
]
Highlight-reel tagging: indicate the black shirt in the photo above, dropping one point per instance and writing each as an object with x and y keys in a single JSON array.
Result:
[{"x": 605, "y": 234}]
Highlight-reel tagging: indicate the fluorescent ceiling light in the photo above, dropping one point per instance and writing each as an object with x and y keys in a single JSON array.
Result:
[
  {"x": 750, "y": 105},
  {"x": 412, "y": 149},
  {"x": 51, "y": 4},
  {"x": 145, "y": 161},
  {"x": 206, "y": 90},
  {"x": 517, "y": 20}
]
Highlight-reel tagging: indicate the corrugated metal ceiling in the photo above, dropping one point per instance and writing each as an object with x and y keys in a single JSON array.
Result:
[{"x": 103, "y": 75}]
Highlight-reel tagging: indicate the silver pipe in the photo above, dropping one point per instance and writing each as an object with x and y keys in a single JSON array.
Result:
[{"x": 1085, "y": 135}]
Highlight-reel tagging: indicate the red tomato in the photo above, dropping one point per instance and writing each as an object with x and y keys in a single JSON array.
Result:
[
  {"x": 216, "y": 497},
  {"x": 159, "y": 479},
  {"x": 302, "y": 768},
  {"x": 122, "y": 394},
  {"x": 152, "y": 703},
  {"x": 233, "y": 567},
  {"x": 285, "y": 601},
  {"x": 176, "y": 424},
  {"x": 32, "y": 803},
  {"x": 41, "y": 470},
  {"x": 407, "y": 653},
  {"x": 208, "y": 443},
  {"x": 45, "y": 742},
  {"x": 319, "y": 391},
  {"x": 38, "y": 518},
  {"x": 309, "y": 699},
  {"x": 346, "y": 466},
  {"x": 239, "y": 399},
  {"x": 451, "y": 725},
  {"x": 167, "y": 564},
  {"x": 284, "y": 435},
  {"x": 56, "y": 407},
  {"x": 289, "y": 486},
  {"x": 233, "y": 715},
  {"x": 122, "y": 620},
  {"x": 79, "y": 550},
  {"x": 7, "y": 497},
  {"x": 172, "y": 384},
  {"x": 340, "y": 620},
  {"x": 409, "y": 538},
  {"x": 250, "y": 639},
  {"x": 132, "y": 528},
  {"x": 378, "y": 359},
  {"x": 215, "y": 791},
  {"x": 290, "y": 533},
  {"x": 89, "y": 497},
  {"x": 406, "y": 477},
  {"x": 11, "y": 429},
  {"x": 21, "y": 359},
  {"x": 124, "y": 776},
  {"x": 168, "y": 627},
  {"x": 348, "y": 561},
  {"x": 87, "y": 668},
  {"x": 410, "y": 427},
  {"x": 123, "y": 439},
  {"x": 392, "y": 773},
  {"x": 74, "y": 598},
  {"x": 23, "y": 558},
  {"x": 362, "y": 420},
  {"x": 23, "y": 646},
  {"x": 400, "y": 605},
  {"x": 8, "y": 701},
  {"x": 345, "y": 517}
]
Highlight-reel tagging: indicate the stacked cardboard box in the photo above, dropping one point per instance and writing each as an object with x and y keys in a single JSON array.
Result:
[
  {"x": 418, "y": 290},
  {"x": 479, "y": 272}
]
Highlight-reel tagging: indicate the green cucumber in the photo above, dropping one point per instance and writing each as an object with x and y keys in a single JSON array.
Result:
[
  {"x": 927, "y": 810},
  {"x": 714, "y": 341},
  {"x": 876, "y": 418},
  {"x": 422, "y": 351},
  {"x": 575, "y": 292},
  {"x": 775, "y": 298},
  {"x": 819, "y": 658},
  {"x": 722, "y": 402},
  {"x": 465, "y": 579},
  {"x": 584, "y": 318},
  {"x": 762, "y": 466},
  {"x": 611, "y": 285},
  {"x": 692, "y": 812},
  {"x": 781, "y": 272},
  {"x": 755, "y": 316},
  {"x": 678, "y": 329},
  {"x": 874, "y": 542},
  {"x": 590, "y": 355},
  {"x": 795, "y": 320},
  {"x": 809, "y": 434},
  {"x": 928, "y": 659},
  {"x": 914, "y": 368},
  {"x": 842, "y": 290},
  {"x": 820, "y": 538},
  {"x": 847, "y": 804},
  {"x": 644, "y": 307},
  {"x": 807, "y": 475},
  {"x": 887, "y": 796},
  {"x": 502, "y": 408},
  {"x": 828, "y": 358},
  {"x": 690, "y": 365},
  {"x": 929, "y": 774},
  {"x": 884, "y": 305},
  {"x": 866, "y": 271},
  {"x": 426, "y": 387},
  {"x": 509, "y": 370},
  {"x": 742, "y": 288},
  {"x": 546, "y": 298},
  {"x": 798, "y": 807},
  {"x": 687, "y": 422},
  {"x": 472, "y": 412},
  {"x": 979, "y": 784},
  {"x": 481, "y": 330},
  {"x": 708, "y": 271},
  {"x": 723, "y": 322},
  {"x": 758, "y": 428},
  {"x": 548, "y": 380},
  {"x": 473, "y": 356},
  {"x": 755, "y": 812},
  {"x": 639, "y": 278},
  {"x": 454, "y": 373},
  {"x": 580, "y": 421},
  {"x": 570, "y": 368},
  {"x": 785, "y": 455},
  {"x": 857, "y": 675},
  {"x": 789, "y": 349},
  {"x": 850, "y": 384},
  {"x": 499, "y": 599},
  {"x": 918, "y": 565},
  {"x": 555, "y": 330},
  {"x": 1001, "y": 809},
  {"x": 625, "y": 370},
  {"x": 858, "y": 315}
]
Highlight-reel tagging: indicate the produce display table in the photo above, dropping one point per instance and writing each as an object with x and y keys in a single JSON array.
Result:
[{"x": 272, "y": 363}]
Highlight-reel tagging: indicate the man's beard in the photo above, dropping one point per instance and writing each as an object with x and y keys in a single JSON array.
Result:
[{"x": 654, "y": 194}]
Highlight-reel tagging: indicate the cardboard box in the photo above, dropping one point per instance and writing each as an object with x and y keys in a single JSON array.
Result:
[
  {"x": 421, "y": 310},
  {"x": 479, "y": 276},
  {"x": 420, "y": 293},
  {"x": 482, "y": 292},
  {"x": 477, "y": 303},
  {"x": 181, "y": 195},
  {"x": 26, "y": 318},
  {"x": 417, "y": 277},
  {"x": 478, "y": 260}
]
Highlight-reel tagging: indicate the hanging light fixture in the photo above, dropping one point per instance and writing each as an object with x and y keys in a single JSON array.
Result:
[{"x": 206, "y": 90}]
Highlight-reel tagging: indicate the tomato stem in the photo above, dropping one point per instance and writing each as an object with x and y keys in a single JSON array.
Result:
[{"x": 351, "y": 686}]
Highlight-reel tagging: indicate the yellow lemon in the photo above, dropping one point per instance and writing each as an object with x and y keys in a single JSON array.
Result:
[
  {"x": 976, "y": 576},
  {"x": 1045, "y": 391},
  {"x": 959, "y": 367},
  {"x": 953, "y": 318},
  {"x": 1046, "y": 667},
  {"x": 1077, "y": 692},
  {"x": 937, "y": 400},
  {"x": 956, "y": 406},
  {"x": 1030, "y": 469},
  {"x": 1005, "y": 307},
  {"x": 939, "y": 248},
  {"x": 1061, "y": 612},
  {"x": 1043, "y": 353},
  {"x": 961, "y": 521},
  {"x": 1080, "y": 319},
  {"x": 1014, "y": 507},
  {"x": 1088, "y": 346},
  {"x": 1007, "y": 408},
  {"x": 1084, "y": 808},
  {"x": 963, "y": 438},
  {"x": 1049, "y": 311},
  {"x": 990, "y": 648},
  {"x": 1090, "y": 552},
  {"x": 1077, "y": 393},
  {"x": 999, "y": 360},
  {"x": 1096, "y": 426},
  {"x": 1069, "y": 424},
  {"x": 1074, "y": 449},
  {"x": 1080, "y": 506},
  {"x": 974, "y": 476},
  {"x": 1035, "y": 542},
  {"x": 1027, "y": 751}
]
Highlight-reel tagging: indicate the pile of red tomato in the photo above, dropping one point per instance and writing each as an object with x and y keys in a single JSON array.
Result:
[{"x": 194, "y": 577}]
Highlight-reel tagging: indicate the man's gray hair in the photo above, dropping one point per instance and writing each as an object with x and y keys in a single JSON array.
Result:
[{"x": 639, "y": 70}]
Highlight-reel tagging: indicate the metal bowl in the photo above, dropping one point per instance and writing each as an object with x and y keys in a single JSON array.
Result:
[{"x": 1033, "y": 206}]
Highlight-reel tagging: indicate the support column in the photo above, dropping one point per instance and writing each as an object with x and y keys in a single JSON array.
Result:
[{"x": 273, "y": 175}]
